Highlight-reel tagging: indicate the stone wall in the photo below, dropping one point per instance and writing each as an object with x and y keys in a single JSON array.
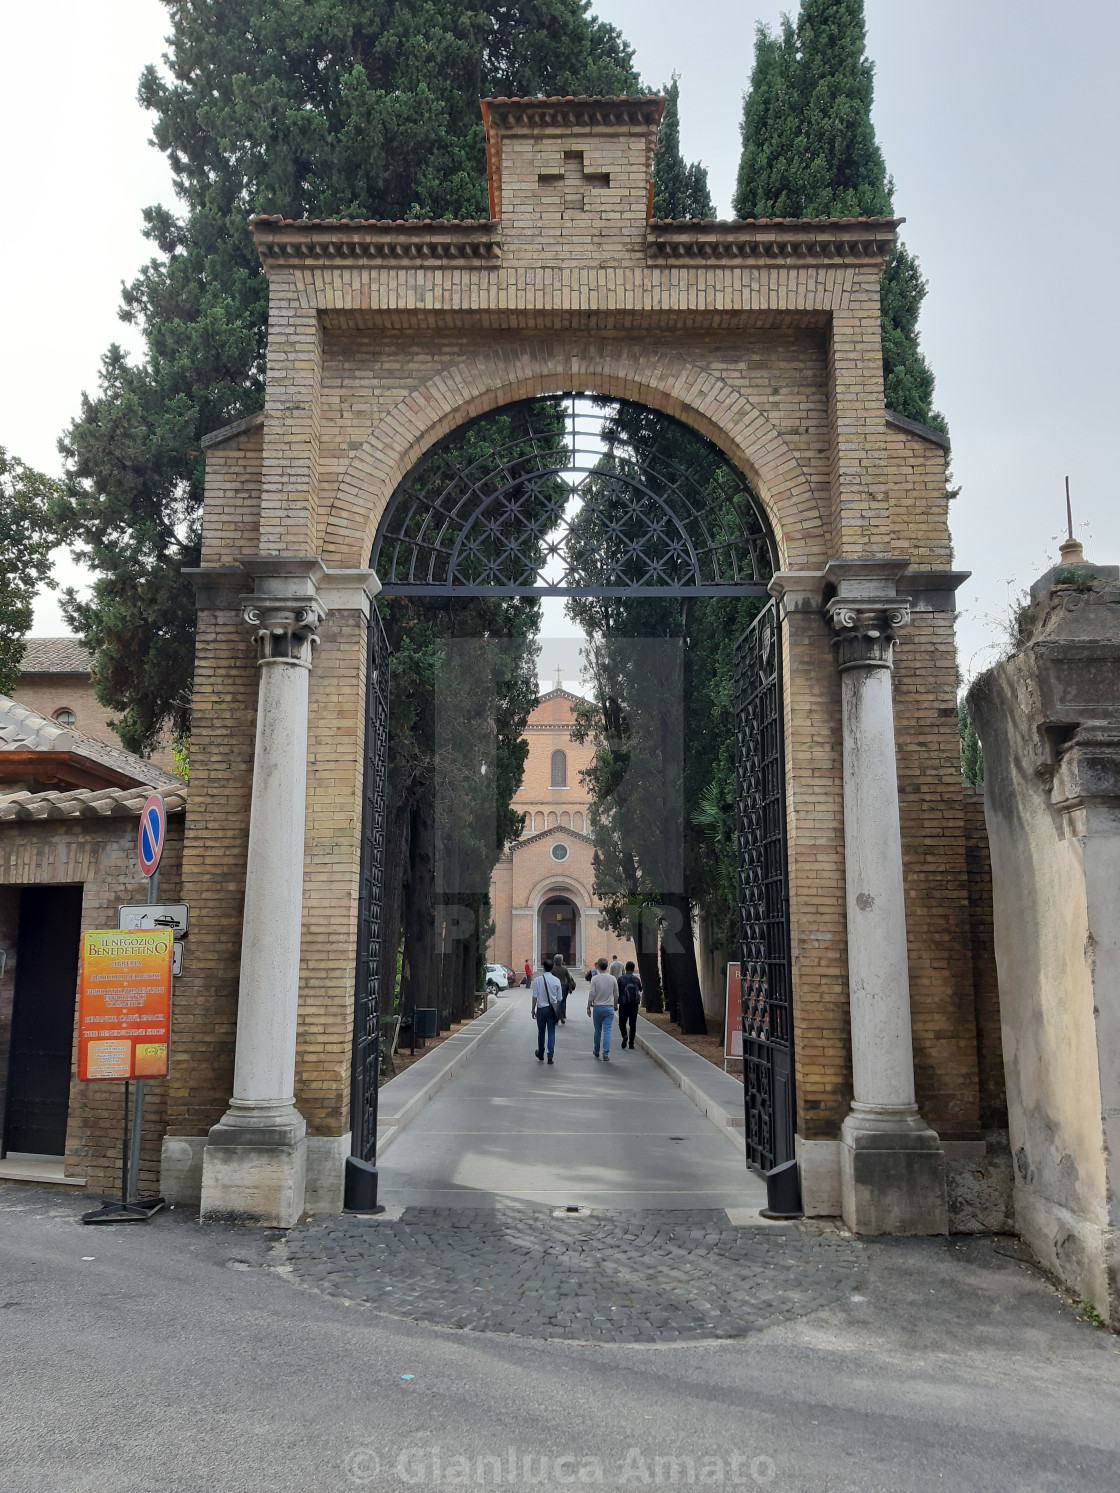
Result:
[
  {"x": 1049, "y": 719},
  {"x": 99, "y": 853}
]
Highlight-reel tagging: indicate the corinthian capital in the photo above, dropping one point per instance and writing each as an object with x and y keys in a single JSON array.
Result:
[{"x": 865, "y": 631}]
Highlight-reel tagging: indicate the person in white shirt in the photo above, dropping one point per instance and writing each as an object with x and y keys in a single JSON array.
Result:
[
  {"x": 602, "y": 1003},
  {"x": 548, "y": 997}
]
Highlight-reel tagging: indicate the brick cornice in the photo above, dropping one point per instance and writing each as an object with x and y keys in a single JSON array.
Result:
[
  {"x": 580, "y": 113},
  {"x": 358, "y": 241},
  {"x": 345, "y": 240},
  {"x": 843, "y": 240}
]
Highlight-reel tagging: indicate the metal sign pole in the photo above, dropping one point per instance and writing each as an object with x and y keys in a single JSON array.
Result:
[
  {"x": 138, "y": 1103},
  {"x": 131, "y": 1208}
]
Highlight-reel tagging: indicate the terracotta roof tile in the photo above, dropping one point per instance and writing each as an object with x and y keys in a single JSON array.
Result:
[
  {"x": 87, "y": 803},
  {"x": 25, "y": 730}
]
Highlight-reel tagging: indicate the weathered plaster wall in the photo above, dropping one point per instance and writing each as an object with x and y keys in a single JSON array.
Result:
[{"x": 1049, "y": 720}]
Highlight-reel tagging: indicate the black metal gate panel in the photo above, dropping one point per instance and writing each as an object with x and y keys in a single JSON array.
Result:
[
  {"x": 366, "y": 1065},
  {"x": 764, "y": 955}
]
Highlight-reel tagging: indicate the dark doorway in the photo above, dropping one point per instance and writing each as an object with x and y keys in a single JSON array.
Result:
[
  {"x": 39, "y": 1054},
  {"x": 558, "y": 929}
]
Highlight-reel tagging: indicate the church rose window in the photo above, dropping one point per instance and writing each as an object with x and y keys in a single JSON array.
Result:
[
  {"x": 559, "y": 852},
  {"x": 559, "y": 770}
]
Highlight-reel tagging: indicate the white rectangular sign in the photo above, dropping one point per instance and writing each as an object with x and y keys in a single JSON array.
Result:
[
  {"x": 173, "y": 915},
  {"x": 176, "y": 958}
]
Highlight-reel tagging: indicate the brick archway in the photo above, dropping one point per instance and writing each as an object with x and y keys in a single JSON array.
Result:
[
  {"x": 764, "y": 337},
  {"x": 657, "y": 377}
]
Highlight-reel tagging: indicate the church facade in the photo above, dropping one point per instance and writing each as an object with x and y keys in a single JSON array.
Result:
[{"x": 542, "y": 898}]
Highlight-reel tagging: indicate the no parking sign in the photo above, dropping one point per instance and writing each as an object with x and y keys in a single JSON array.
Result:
[{"x": 152, "y": 835}]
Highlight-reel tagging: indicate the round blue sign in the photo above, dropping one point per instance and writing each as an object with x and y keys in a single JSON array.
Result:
[{"x": 152, "y": 835}]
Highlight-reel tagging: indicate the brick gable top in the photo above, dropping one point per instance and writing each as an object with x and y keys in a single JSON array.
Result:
[{"x": 553, "y": 829}]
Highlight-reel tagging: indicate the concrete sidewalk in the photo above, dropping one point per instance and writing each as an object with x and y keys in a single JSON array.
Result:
[{"x": 613, "y": 1135}]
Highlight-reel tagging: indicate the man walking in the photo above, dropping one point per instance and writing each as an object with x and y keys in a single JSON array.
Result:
[
  {"x": 629, "y": 999},
  {"x": 602, "y": 1003},
  {"x": 548, "y": 995}
]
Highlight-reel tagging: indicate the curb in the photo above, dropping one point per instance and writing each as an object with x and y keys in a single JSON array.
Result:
[
  {"x": 717, "y": 1097},
  {"x": 422, "y": 1082}
]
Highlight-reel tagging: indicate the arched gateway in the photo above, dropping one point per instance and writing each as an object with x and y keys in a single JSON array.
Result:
[{"x": 763, "y": 337}]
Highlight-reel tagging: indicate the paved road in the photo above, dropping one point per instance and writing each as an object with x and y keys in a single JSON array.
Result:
[
  {"x": 178, "y": 1359},
  {"x": 618, "y": 1134},
  {"x": 654, "y": 1277}
]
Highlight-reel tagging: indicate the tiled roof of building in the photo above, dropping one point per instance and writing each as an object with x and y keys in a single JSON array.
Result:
[
  {"x": 24, "y": 730},
  {"x": 87, "y": 803},
  {"x": 56, "y": 656}
]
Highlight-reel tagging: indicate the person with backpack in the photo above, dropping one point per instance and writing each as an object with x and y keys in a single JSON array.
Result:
[
  {"x": 567, "y": 984},
  {"x": 629, "y": 999},
  {"x": 548, "y": 996}
]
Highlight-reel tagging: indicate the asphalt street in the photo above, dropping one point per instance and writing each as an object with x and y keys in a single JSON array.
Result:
[
  {"x": 167, "y": 1356},
  {"x": 580, "y": 1131}
]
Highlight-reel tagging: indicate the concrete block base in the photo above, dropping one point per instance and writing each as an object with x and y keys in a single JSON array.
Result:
[
  {"x": 819, "y": 1161},
  {"x": 892, "y": 1181},
  {"x": 180, "y": 1169},
  {"x": 254, "y": 1173},
  {"x": 326, "y": 1168}
]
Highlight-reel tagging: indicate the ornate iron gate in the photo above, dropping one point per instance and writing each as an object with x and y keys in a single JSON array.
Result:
[
  {"x": 366, "y": 1067},
  {"x": 764, "y": 966}
]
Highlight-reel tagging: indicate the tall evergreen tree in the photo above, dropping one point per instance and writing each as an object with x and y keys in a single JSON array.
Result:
[
  {"x": 339, "y": 108},
  {"x": 26, "y": 539},
  {"x": 809, "y": 151},
  {"x": 679, "y": 191}
]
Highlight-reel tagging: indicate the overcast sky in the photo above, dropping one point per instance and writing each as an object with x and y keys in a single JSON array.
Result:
[{"x": 998, "y": 119}]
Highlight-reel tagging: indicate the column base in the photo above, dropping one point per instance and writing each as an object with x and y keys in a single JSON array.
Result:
[
  {"x": 254, "y": 1169},
  {"x": 892, "y": 1173}
]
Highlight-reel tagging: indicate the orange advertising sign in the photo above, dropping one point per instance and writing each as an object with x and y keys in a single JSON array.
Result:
[{"x": 124, "y": 1004}]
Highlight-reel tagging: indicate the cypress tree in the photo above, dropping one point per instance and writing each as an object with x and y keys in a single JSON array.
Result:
[
  {"x": 809, "y": 151},
  {"x": 363, "y": 108},
  {"x": 679, "y": 191}
]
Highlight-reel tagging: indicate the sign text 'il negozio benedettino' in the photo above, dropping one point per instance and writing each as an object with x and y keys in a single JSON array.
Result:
[{"x": 124, "y": 1004}]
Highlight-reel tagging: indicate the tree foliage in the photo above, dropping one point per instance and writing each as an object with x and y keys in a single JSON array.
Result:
[
  {"x": 679, "y": 191},
  {"x": 810, "y": 151},
  {"x": 972, "y": 748},
  {"x": 463, "y": 684},
  {"x": 641, "y": 706},
  {"x": 308, "y": 108},
  {"x": 27, "y": 536}
]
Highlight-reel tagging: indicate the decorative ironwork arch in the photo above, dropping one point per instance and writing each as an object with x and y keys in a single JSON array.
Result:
[{"x": 573, "y": 495}]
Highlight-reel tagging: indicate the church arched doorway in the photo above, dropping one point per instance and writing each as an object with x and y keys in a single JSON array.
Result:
[{"x": 558, "y": 929}]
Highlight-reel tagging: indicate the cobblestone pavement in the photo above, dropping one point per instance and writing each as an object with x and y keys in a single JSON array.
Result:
[{"x": 648, "y": 1277}]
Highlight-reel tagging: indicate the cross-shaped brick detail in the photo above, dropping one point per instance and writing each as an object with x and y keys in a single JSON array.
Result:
[{"x": 573, "y": 178}]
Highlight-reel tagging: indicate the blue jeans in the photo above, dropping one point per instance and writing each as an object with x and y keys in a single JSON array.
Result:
[
  {"x": 603, "y": 1017},
  {"x": 546, "y": 1022}
]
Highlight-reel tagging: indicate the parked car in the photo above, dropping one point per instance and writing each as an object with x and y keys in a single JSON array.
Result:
[{"x": 498, "y": 977}]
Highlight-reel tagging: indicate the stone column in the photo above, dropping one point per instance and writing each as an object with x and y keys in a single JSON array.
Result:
[
  {"x": 254, "y": 1167},
  {"x": 892, "y": 1169}
]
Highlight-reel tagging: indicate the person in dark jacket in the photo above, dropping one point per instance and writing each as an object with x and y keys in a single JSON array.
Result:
[
  {"x": 629, "y": 999},
  {"x": 567, "y": 984}
]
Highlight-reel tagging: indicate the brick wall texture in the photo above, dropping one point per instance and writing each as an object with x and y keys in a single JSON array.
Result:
[{"x": 377, "y": 349}]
